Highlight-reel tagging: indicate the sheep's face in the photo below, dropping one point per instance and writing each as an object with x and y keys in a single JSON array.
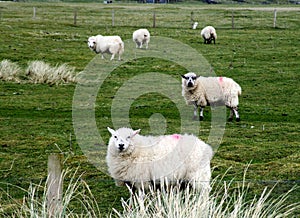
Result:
[
  {"x": 122, "y": 139},
  {"x": 188, "y": 80},
  {"x": 92, "y": 42}
]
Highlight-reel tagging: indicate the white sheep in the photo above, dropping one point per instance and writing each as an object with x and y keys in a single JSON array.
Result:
[
  {"x": 141, "y": 37},
  {"x": 145, "y": 161},
  {"x": 195, "y": 24},
  {"x": 209, "y": 34},
  {"x": 106, "y": 44},
  {"x": 213, "y": 91}
]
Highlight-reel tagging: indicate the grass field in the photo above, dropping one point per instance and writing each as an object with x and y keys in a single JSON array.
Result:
[{"x": 36, "y": 119}]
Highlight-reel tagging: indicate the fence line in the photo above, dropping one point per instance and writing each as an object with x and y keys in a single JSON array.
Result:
[{"x": 222, "y": 18}]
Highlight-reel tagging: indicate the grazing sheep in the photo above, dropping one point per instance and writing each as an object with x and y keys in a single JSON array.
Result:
[
  {"x": 106, "y": 44},
  {"x": 209, "y": 34},
  {"x": 214, "y": 91},
  {"x": 168, "y": 160},
  {"x": 195, "y": 25},
  {"x": 141, "y": 37}
]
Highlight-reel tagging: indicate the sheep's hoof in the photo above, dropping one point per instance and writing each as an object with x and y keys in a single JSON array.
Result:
[
  {"x": 201, "y": 118},
  {"x": 238, "y": 119},
  {"x": 230, "y": 119}
]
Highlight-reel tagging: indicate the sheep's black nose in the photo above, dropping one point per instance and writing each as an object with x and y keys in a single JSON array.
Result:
[{"x": 121, "y": 147}]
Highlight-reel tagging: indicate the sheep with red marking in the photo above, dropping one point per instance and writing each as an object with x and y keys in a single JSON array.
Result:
[
  {"x": 211, "y": 91},
  {"x": 209, "y": 34},
  {"x": 141, "y": 37},
  {"x": 146, "y": 161},
  {"x": 106, "y": 44}
]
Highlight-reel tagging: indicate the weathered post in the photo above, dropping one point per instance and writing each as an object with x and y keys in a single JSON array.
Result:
[
  {"x": 275, "y": 16},
  {"x": 113, "y": 17},
  {"x": 54, "y": 185},
  {"x": 232, "y": 20},
  {"x": 192, "y": 19},
  {"x": 34, "y": 12},
  {"x": 75, "y": 17},
  {"x": 154, "y": 19}
]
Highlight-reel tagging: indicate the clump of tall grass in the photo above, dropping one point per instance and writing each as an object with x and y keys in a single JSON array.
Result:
[
  {"x": 9, "y": 71},
  {"x": 41, "y": 72},
  {"x": 35, "y": 204},
  {"x": 225, "y": 201}
]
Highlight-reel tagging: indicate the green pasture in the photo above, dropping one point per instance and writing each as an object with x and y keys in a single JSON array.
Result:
[{"x": 36, "y": 119}]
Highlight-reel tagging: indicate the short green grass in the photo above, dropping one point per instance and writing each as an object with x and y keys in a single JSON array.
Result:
[{"x": 36, "y": 119}]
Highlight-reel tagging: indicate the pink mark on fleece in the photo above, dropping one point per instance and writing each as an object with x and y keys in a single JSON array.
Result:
[
  {"x": 220, "y": 79},
  {"x": 175, "y": 136}
]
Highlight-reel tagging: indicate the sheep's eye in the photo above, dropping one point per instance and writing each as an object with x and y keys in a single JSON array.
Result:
[
  {"x": 194, "y": 78},
  {"x": 116, "y": 137},
  {"x": 128, "y": 137}
]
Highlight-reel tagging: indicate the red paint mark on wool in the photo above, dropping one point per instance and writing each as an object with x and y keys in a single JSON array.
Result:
[
  {"x": 175, "y": 136},
  {"x": 220, "y": 79}
]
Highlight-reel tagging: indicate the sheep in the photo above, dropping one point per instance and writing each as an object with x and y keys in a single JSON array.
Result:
[
  {"x": 106, "y": 44},
  {"x": 209, "y": 34},
  {"x": 214, "y": 91},
  {"x": 167, "y": 160},
  {"x": 141, "y": 37},
  {"x": 195, "y": 25}
]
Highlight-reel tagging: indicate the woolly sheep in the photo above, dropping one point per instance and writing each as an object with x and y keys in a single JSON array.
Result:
[
  {"x": 144, "y": 161},
  {"x": 209, "y": 34},
  {"x": 141, "y": 37},
  {"x": 106, "y": 44},
  {"x": 195, "y": 25},
  {"x": 214, "y": 91}
]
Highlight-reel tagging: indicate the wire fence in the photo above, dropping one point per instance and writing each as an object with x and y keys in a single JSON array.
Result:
[{"x": 160, "y": 17}]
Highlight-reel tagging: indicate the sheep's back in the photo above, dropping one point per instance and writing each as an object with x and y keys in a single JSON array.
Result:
[{"x": 139, "y": 34}]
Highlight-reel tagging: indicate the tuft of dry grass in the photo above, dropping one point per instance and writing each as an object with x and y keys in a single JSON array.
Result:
[
  {"x": 34, "y": 204},
  {"x": 37, "y": 72},
  {"x": 225, "y": 201},
  {"x": 41, "y": 72},
  {"x": 9, "y": 71}
]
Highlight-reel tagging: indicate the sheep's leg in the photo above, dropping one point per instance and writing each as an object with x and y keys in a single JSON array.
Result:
[
  {"x": 201, "y": 117},
  {"x": 102, "y": 56},
  {"x": 195, "y": 111},
  {"x": 236, "y": 113},
  {"x": 112, "y": 57},
  {"x": 146, "y": 45},
  {"x": 231, "y": 115}
]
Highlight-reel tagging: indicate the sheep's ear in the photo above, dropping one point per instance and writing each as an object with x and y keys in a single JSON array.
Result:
[
  {"x": 113, "y": 132},
  {"x": 183, "y": 76},
  {"x": 135, "y": 132}
]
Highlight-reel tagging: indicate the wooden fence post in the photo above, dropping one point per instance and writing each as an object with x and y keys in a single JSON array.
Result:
[
  {"x": 54, "y": 185},
  {"x": 275, "y": 16},
  {"x": 113, "y": 17},
  {"x": 75, "y": 17},
  {"x": 34, "y": 12},
  {"x": 192, "y": 19},
  {"x": 154, "y": 19},
  {"x": 232, "y": 20}
]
